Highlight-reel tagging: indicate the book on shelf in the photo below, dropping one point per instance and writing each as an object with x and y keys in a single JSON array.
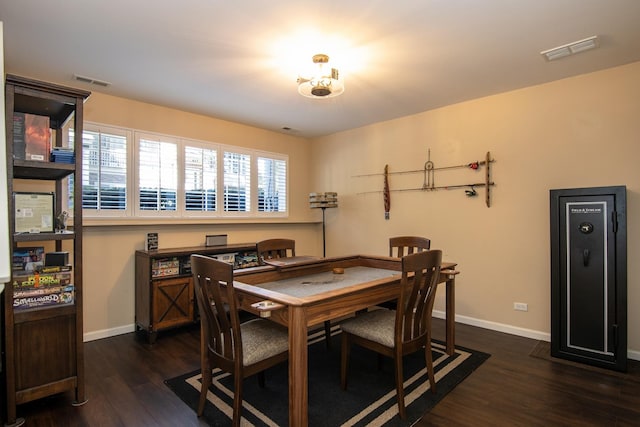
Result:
[
  {"x": 32, "y": 292},
  {"x": 63, "y": 155},
  {"x": 56, "y": 296},
  {"x": 185, "y": 265},
  {"x": 31, "y": 137},
  {"x": 42, "y": 280},
  {"x": 47, "y": 286},
  {"x": 54, "y": 268},
  {"x": 28, "y": 259},
  {"x": 161, "y": 267},
  {"x": 245, "y": 260},
  {"x": 18, "y": 136}
]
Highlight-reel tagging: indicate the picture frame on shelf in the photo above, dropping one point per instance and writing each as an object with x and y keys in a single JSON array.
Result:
[{"x": 34, "y": 212}]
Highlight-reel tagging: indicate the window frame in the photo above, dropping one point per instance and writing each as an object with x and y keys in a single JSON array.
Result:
[
  {"x": 128, "y": 134},
  {"x": 272, "y": 156},
  {"x": 207, "y": 146},
  {"x": 149, "y": 213},
  {"x": 133, "y": 211},
  {"x": 221, "y": 207}
]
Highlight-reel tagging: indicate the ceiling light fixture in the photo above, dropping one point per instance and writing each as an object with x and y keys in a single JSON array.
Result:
[
  {"x": 570, "y": 48},
  {"x": 324, "y": 82}
]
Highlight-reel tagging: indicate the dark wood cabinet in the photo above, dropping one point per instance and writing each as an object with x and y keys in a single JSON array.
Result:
[
  {"x": 172, "y": 302},
  {"x": 43, "y": 345},
  {"x": 164, "y": 288}
]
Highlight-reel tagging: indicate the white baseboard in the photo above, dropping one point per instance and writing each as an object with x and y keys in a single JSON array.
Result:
[
  {"x": 106, "y": 333},
  {"x": 514, "y": 330}
]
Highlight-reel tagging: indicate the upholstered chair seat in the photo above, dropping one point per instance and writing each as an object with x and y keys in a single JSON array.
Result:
[
  {"x": 262, "y": 339},
  {"x": 377, "y": 326}
]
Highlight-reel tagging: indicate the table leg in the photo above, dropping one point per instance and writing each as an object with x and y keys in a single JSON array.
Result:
[
  {"x": 298, "y": 368},
  {"x": 451, "y": 315}
]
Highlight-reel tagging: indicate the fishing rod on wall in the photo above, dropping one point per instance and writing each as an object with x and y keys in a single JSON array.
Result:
[{"x": 428, "y": 184}]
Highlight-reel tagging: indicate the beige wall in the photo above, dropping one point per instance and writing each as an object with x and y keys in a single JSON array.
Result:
[
  {"x": 109, "y": 293},
  {"x": 121, "y": 112},
  {"x": 109, "y": 246},
  {"x": 578, "y": 132}
]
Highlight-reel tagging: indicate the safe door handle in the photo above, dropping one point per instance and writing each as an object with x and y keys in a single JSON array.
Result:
[{"x": 585, "y": 257}]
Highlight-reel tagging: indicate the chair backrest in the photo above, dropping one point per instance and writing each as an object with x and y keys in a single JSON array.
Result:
[
  {"x": 215, "y": 294},
  {"x": 406, "y": 245},
  {"x": 420, "y": 272},
  {"x": 275, "y": 248}
]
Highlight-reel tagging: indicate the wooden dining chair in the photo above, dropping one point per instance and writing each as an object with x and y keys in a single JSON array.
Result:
[
  {"x": 400, "y": 246},
  {"x": 283, "y": 248},
  {"x": 396, "y": 333},
  {"x": 243, "y": 349},
  {"x": 275, "y": 248}
]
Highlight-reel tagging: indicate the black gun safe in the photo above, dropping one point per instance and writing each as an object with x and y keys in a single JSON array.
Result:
[{"x": 589, "y": 276}]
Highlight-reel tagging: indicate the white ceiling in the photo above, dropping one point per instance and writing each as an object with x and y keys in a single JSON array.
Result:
[{"x": 232, "y": 59}]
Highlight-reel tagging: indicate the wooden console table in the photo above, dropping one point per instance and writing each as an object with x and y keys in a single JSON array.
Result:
[{"x": 164, "y": 287}]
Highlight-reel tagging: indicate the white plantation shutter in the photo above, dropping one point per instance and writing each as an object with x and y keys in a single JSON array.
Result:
[
  {"x": 104, "y": 171},
  {"x": 237, "y": 182},
  {"x": 128, "y": 173},
  {"x": 272, "y": 185},
  {"x": 157, "y": 175},
  {"x": 200, "y": 179}
]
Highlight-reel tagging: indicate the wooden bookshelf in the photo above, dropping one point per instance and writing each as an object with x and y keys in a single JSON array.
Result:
[{"x": 43, "y": 350}]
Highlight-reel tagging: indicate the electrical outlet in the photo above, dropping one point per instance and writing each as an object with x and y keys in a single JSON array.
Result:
[{"x": 520, "y": 306}]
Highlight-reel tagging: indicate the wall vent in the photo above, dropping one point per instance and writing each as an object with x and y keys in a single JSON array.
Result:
[
  {"x": 570, "y": 48},
  {"x": 91, "y": 80}
]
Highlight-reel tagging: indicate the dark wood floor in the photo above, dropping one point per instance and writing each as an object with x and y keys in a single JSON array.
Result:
[{"x": 124, "y": 380}]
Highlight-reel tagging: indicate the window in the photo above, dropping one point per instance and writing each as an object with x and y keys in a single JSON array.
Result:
[
  {"x": 105, "y": 153},
  {"x": 272, "y": 185},
  {"x": 126, "y": 173},
  {"x": 200, "y": 179},
  {"x": 237, "y": 182},
  {"x": 157, "y": 174}
]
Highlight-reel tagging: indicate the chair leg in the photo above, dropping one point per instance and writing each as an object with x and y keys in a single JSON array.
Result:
[
  {"x": 327, "y": 333},
  {"x": 237, "y": 400},
  {"x": 344, "y": 360},
  {"x": 261, "y": 379},
  {"x": 400, "y": 386},
  {"x": 205, "y": 369},
  {"x": 206, "y": 382},
  {"x": 429, "y": 361}
]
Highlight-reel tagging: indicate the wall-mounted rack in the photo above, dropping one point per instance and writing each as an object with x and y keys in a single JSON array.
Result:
[{"x": 428, "y": 172}]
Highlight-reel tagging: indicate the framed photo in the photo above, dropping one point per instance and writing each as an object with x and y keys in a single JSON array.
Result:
[{"x": 34, "y": 212}]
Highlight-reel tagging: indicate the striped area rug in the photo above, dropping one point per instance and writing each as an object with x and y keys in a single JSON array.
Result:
[{"x": 369, "y": 400}]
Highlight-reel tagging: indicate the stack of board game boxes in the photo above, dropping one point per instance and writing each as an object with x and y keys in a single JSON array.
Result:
[{"x": 36, "y": 285}]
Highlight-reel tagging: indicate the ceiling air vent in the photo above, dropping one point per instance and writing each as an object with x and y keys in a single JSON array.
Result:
[
  {"x": 570, "y": 48},
  {"x": 91, "y": 80}
]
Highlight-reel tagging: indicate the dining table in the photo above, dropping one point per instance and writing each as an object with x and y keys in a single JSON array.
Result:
[{"x": 303, "y": 292}]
